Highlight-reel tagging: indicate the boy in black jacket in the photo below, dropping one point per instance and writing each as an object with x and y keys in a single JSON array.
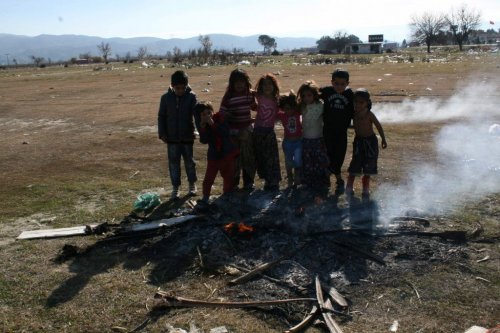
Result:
[
  {"x": 337, "y": 116},
  {"x": 176, "y": 129}
]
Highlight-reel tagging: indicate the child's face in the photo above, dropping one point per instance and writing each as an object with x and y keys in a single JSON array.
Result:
[
  {"x": 206, "y": 114},
  {"x": 179, "y": 89},
  {"x": 339, "y": 84},
  {"x": 267, "y": 88},
  {"x": 308, "y": 97},
  {"x": 288, "y": 109},
  {"x": 240, "y": 86},
  {"x": 360, "y": 104}
]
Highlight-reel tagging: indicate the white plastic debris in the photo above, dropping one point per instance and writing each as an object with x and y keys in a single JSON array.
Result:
[
  {"x": 220, "y": 329},
  {"x": 394, "y": 327},
  {"x": 476, "y": 329},
  {"x": 428, "y": 88},
  {"x": 171, "y": 329}
]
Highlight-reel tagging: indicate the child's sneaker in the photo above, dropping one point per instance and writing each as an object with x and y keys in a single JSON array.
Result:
[
  {"x": 192, "y": 189},
  {"x": 340, "y": 188},
  {"x": 175, "y": 193}
]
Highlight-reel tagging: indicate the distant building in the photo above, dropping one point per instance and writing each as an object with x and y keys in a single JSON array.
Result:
[
  {"x": 364, "y": 48},
  {"x": 489, "y": 36}
]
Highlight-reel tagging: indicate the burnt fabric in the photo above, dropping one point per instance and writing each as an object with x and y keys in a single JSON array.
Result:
[{"x": 364, "y": 156}]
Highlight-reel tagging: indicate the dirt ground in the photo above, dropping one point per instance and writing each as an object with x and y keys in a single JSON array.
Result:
[{"x": 78, "y": 145}]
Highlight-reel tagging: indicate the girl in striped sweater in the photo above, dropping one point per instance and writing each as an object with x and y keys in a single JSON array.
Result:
[{"x": 236, "y": 106}]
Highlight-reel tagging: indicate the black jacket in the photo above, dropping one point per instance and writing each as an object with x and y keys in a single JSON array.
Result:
[{"x": 175, "y": 117}]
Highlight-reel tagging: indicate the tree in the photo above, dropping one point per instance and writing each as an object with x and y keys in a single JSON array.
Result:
[
  {"x": 177, "y": 55},
  {"x": 105, "y": 51},
  {"x": 142, "y": 52},
  {"x": 337, "y": 42},
  {"x": 268, "y": 42},
  {"x": 325, "y": 44},
  {"x": 37, "y": 61},
  {"x": 206, "y": 45},
  {"x": 426, "y": 27},
  {"x": 461, "y": 22}
]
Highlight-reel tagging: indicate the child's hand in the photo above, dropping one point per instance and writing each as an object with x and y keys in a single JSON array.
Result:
[
  {"x": 210, "y": 121},
  {"x": 384, "y": 144}
]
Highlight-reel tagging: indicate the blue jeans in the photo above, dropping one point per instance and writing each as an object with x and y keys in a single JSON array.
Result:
[
  {"x": 174, "y": 153},
  {"x": 293, "y": 153}
]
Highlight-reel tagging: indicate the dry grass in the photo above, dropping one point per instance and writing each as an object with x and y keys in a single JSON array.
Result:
[{"x": 73, "y": 137}]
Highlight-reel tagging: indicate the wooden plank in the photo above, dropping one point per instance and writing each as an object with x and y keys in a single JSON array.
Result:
[
  {"x": 58, "y": 232},
  {"x": 159, "y": 223}
]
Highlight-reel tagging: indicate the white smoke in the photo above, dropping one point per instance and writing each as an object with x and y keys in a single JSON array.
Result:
[
  {"x": 468, "y": 163},
  {"x": 469, "y": 102}
]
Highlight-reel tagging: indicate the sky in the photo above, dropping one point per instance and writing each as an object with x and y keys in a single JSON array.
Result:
[{"x": 183, "y": 19}]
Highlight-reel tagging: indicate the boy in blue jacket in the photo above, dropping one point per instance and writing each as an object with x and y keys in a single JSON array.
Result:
[
  {"x": 176, "y": 128},
  {"x": 222, "y": 152}
]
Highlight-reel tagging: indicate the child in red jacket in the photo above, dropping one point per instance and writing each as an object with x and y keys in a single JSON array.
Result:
[{"x": 222, "y": 152}]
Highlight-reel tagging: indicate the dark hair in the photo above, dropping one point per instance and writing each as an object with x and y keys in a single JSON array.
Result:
[
  {"x": 273, "y": 80},
  {"x": 179, "y": 77},
  {"x": 341, "y": 74},
  {"x": 290, "y": 99},
  {"x": 311, "y": 86},
  {"x": 237, "y": 75},
  {"x": 365, "y": 94},
  {"x": 202, "y": 106}
]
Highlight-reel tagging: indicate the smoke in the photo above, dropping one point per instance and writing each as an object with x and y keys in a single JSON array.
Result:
[
  {"x": 469, "y": 102},
  {"x": 468, "y": 149}
]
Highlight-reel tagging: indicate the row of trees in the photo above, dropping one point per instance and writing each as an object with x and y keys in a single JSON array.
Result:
[
  {"x": 428, "y": 27},
  {"x": 337, "y": 42}
]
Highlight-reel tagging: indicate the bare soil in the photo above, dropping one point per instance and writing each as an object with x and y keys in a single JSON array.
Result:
[{"x": 78, "y": 145}]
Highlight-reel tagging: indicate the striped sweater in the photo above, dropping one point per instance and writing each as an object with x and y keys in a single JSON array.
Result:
[{"x": 237, "y": 109}]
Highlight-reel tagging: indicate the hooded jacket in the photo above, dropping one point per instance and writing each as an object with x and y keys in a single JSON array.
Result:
[
  {"x": 217, "y": 137},
  {"x": 175, "y": 116}
]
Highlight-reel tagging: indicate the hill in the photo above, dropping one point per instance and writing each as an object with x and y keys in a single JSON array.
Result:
[{"x": 64, "y": 47}]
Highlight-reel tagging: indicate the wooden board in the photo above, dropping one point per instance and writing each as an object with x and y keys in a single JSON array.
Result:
[
  {"x": 160, "y": 223},
  {"x": 58, "y": 232}
]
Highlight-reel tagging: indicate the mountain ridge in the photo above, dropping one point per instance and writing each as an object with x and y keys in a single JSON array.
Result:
[{"x": 64, "y": 47}]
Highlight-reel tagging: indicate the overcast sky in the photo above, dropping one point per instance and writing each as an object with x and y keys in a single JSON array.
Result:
[{"x": 188, "y": 18}]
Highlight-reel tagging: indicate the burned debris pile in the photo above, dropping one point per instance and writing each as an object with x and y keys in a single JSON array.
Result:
[{"x": 290, "y": 251}]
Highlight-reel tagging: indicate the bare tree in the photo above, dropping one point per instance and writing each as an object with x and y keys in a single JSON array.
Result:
[
  {"x": 461, "y": 22},
  {"x": 206, "y": 45},
  {"x": 142, "y": 52},
  {"x": 105, "y": 50},
  {"x": 426, "y": 27},
  {"x": 177, "y": 55},
  {"x": 37, "y": 61}
]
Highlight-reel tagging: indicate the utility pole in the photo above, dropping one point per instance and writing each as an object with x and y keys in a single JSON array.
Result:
[{"x": 7, "y": 54}]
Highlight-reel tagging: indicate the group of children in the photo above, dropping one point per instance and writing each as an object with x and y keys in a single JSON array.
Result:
[{"x": 315, "y": 123}]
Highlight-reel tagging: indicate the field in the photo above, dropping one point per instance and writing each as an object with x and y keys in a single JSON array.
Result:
[{"x": 78, "y": 144}]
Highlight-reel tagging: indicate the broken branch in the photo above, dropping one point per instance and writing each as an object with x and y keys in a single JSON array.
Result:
[
  {"x": 304, "y": 323},
  {"x": 165, "y": 299},
  {"x": 330, "y": 322}
]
